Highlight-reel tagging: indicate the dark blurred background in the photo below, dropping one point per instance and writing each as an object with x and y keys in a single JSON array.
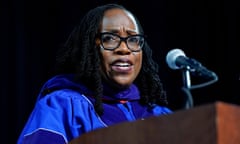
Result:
[{"x": 32, "y": 31}]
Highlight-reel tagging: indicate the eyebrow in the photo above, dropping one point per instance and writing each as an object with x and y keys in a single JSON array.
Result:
[{"x": 130, "y": 32}]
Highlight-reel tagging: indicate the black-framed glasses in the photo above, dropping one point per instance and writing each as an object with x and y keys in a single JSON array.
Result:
[{"x": 111, "y": 41}]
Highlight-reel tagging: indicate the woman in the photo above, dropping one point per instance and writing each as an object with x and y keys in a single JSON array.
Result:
[{"x": 104, "y": 75}]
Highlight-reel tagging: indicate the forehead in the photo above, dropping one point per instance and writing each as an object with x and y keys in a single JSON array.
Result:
[{"x": 119, "y": 18}]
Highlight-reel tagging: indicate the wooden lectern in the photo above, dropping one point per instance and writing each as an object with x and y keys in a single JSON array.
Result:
[{"x": 217, "y": 123}]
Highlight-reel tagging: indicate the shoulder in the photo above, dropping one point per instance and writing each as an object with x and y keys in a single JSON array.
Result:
[
  {"x": 55, "y": 112},
  {"x": 64, "y": 99}
]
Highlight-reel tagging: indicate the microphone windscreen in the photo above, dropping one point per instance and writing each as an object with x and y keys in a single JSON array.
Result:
[{"x": 171, "y": 57}]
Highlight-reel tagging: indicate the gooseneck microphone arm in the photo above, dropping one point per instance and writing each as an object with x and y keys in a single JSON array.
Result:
[
  {"x": 186, "y": 87},
  {"x": 186, "y": 77}
]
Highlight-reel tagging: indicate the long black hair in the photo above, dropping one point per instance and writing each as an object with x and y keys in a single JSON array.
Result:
[{"x": 81, "y": 57}]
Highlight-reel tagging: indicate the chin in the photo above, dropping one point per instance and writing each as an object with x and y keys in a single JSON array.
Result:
[{"x": 119, "y": 85}]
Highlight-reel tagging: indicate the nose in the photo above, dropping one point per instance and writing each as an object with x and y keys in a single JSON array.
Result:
[{"x": 123, "y": 49}]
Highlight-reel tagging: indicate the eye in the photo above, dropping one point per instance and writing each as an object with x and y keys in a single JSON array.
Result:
[
  {"x": 139, "y": 40},
  {"x": 134, "y": 39},
  {"x": 106, "y": 38}
]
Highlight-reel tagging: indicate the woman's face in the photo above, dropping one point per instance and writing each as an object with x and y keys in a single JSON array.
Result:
[{"x": 120, "y": 66}]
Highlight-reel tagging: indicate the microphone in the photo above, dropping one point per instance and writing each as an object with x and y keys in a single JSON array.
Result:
[{"x": 176, "y": 59}]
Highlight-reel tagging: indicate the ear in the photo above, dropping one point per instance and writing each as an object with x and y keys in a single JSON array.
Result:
[{"x": 98, "y": 42}]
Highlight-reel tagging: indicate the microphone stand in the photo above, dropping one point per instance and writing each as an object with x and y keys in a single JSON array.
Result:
[{"x": 186, "y": 87}]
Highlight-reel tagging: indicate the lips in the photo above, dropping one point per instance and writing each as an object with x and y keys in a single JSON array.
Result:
[{"x": 122, "y": 66}]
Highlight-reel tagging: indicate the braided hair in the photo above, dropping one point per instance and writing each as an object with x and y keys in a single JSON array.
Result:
[{"x": 80, "y": 56}]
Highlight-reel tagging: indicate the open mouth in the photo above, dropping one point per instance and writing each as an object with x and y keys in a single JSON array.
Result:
[{"x": 122, "y": 67}]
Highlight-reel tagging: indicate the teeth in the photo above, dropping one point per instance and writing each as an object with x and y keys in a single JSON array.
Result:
[{"x": 122, "y": 64}]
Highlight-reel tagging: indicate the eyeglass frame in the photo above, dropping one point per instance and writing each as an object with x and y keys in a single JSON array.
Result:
[{"x": 122, "y": 39}]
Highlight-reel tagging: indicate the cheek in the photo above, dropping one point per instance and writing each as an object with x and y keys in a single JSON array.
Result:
[
  {"x": 138, "y": 61},
  {"x": 105, "y": 61}
]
